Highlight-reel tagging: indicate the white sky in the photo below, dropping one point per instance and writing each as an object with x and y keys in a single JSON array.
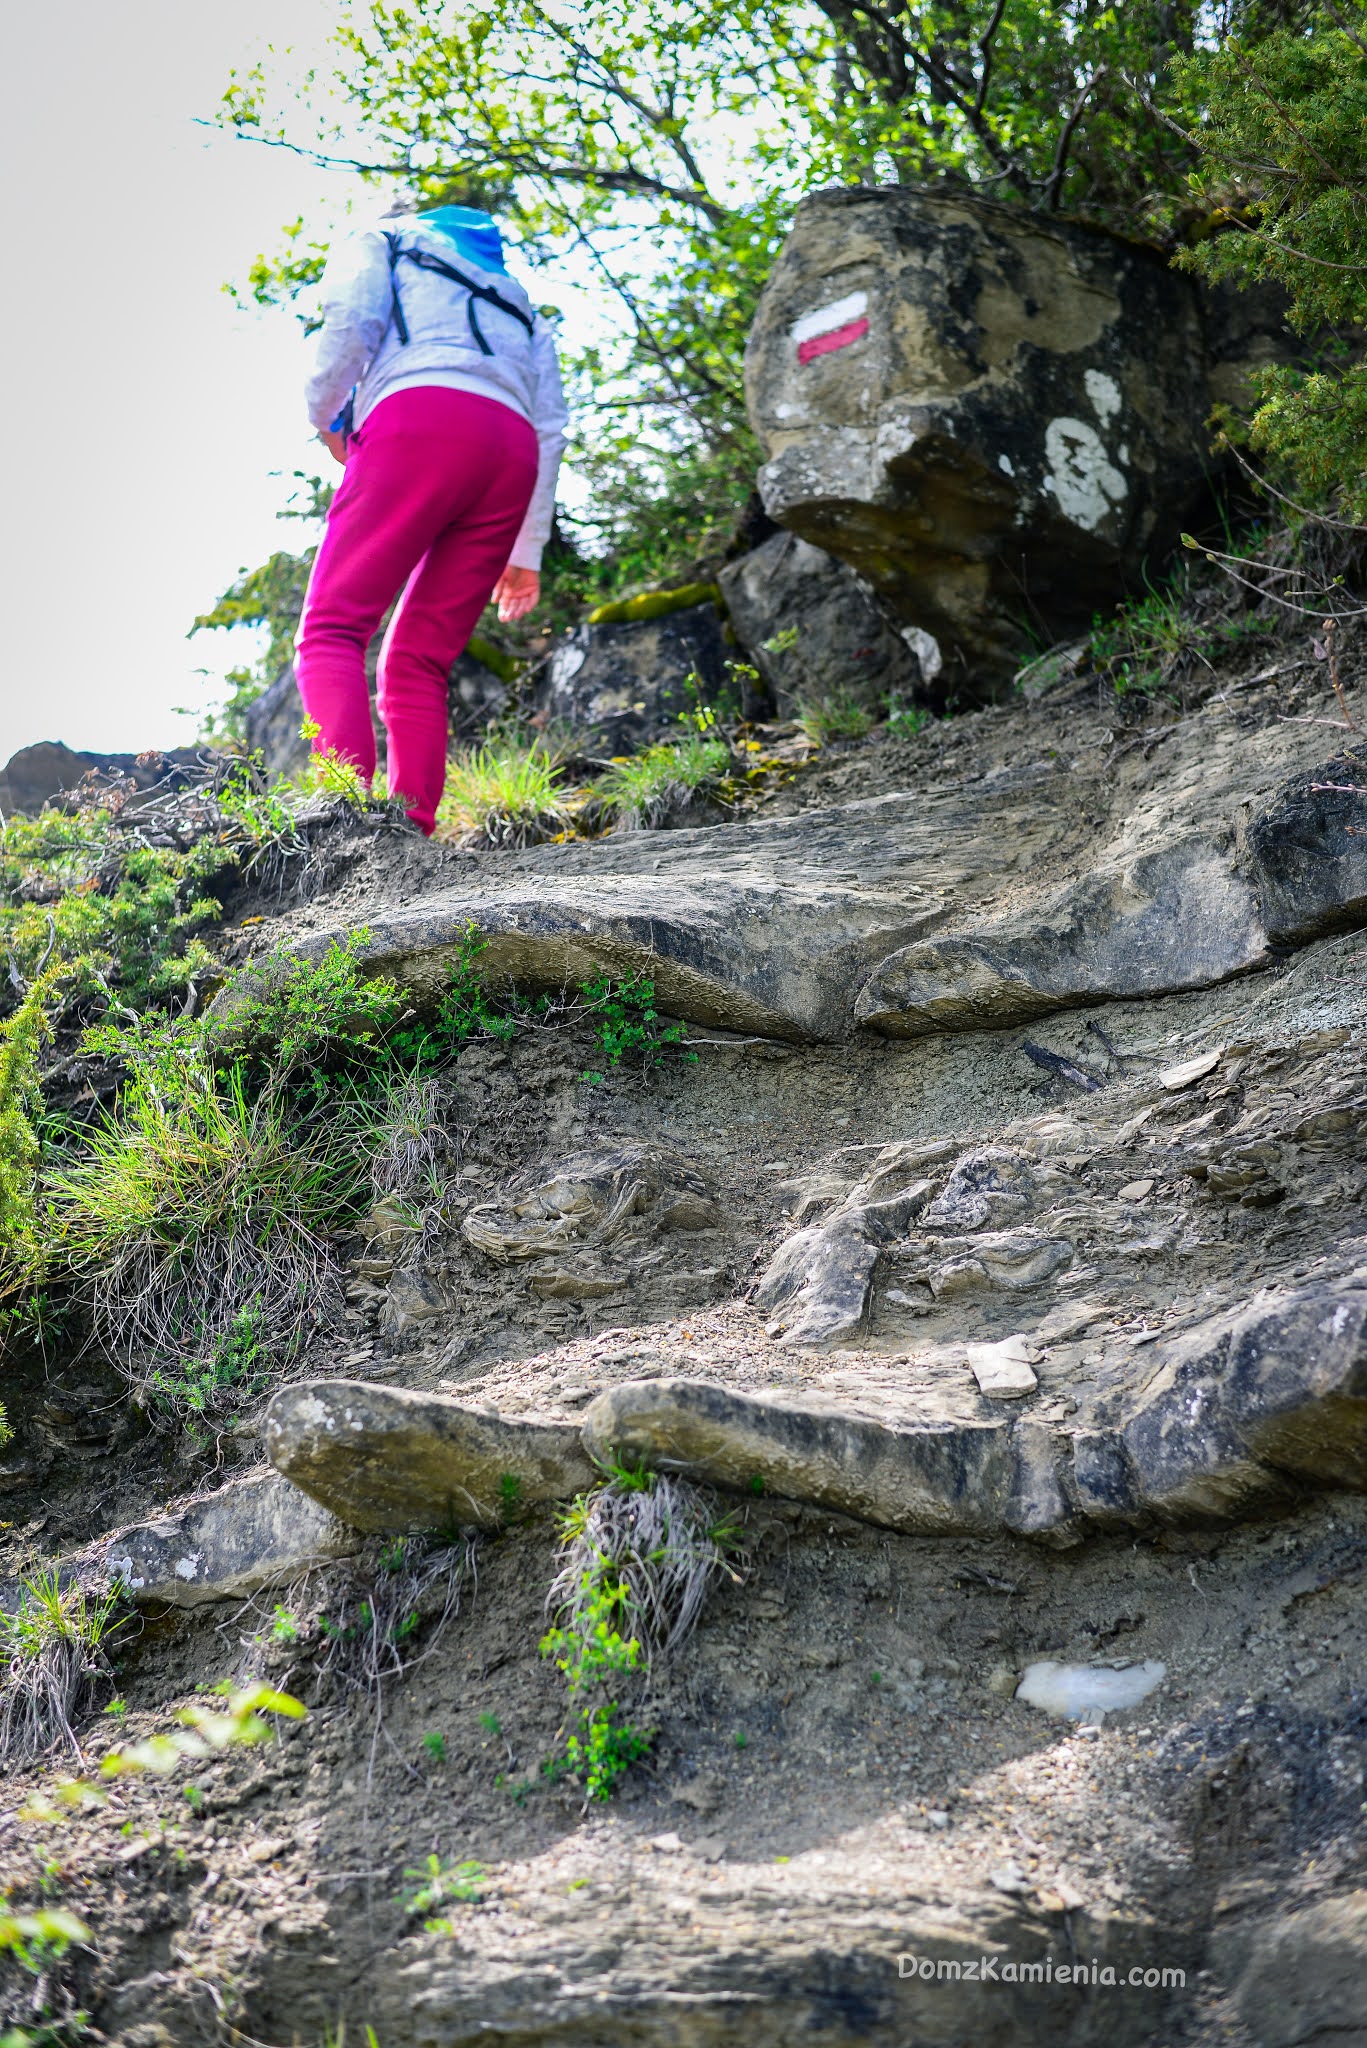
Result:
[{"x": 146, "y": 414}]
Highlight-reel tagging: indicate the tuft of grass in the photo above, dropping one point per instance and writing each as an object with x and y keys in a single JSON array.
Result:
[
  {"x": 643, "y": 790},
  {"x": 904, "y": 721},
  {"x": 1153, "y": 644},
  {"x": 840, "y": 715},
  {"x": 51, "y": 1651},
  {"x": 640, "y": 1554},
  {"x": 506, "y": 793},
  {"x": 196, "y": 1224}
]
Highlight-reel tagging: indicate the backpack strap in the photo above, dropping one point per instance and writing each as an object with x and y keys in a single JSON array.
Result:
[{"x": 477, "y": 291}]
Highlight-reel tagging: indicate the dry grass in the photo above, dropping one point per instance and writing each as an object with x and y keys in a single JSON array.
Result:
[
  {"x": 660, "y": 1540},
  {"x": 53, "y": 1658},
  {"x": 196, "y": 1225}
]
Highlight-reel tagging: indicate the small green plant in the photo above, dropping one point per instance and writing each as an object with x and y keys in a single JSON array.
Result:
[
  {"x": 904, "y": 721},
  {"x": 284, "y": 1625},
  {"x": 1152, "y": 643},
  {"x": 51, "y": 1658},
  {"x": 194, "y": 1798},
  {"x": 434, "y": 1884},
  {"x": 840, "y": 715},
  {"x": 36, "y": 1939},
  {"x": 740, "y": 1738},
  {"x": 625, "y": 1020},
  {"x": 643, "y": 790},
  {"x": 506, "y": 793},
  {"x": 641, "y": 1551},
  {"x": 491, "y": 1724},
  {"x": 468, "y": 1008},
  {"x": 329, "y": 775},
  {"x": 784, "y": 641},
  {"x": 434, "y": 1742},
  {"x": 509, "y": 1496},
  {"x": 118, "y": 1708}
]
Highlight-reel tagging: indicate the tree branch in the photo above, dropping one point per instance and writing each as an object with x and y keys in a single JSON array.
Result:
[
  {"x": 1053, "y": 184},
  {"x": 985, "y": 54}
]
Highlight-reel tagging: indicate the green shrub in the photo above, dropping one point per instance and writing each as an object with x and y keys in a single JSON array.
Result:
[
  {"x": 1283, "y": 177},
  {"x": 78, "y": 889},
  {"x": 643, "y": 789},
  {"x": 625, "y": 1020},
  {"x": 505, "y": 793},
  {"x": 21, "y": 1039}
]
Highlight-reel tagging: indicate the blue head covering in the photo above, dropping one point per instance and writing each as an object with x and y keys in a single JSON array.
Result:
[{"x": 475, "y": 234}]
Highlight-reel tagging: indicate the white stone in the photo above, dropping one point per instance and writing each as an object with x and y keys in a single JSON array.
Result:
[
  {"x": 1002, "y": 1370},
  {"x": 1084, "y": 1692}
]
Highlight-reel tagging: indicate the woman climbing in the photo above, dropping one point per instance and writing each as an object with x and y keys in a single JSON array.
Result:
[{"x": 436, "y": 383}]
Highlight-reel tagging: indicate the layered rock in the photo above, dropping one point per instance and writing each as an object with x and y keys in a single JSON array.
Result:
[
  {"x": 863, "y": 914},
  {"x": 996, "y": 418}
]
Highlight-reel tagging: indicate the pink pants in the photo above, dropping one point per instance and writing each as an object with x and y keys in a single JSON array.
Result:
[{"x": 435, "y": 489}]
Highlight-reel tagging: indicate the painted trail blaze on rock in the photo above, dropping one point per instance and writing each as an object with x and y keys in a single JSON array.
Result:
[{"x": 831, "y": 327}]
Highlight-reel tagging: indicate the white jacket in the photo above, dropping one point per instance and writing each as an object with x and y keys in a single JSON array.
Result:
[{"x": 359, "y": 347}]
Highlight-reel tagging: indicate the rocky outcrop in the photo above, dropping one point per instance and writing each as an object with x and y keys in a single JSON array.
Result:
[
  {"x": 385, "y": 1458},
  {"x": 812, "y": 627},
  {"x": 621, "y": 687},
  {"x": 994, "y": 417},
  {"x": 861, "y": 915},
  {"x": 1243, "y": 1410},
  {"x": 48, "y": 768},
  {"x": 1176, "y": 918}
]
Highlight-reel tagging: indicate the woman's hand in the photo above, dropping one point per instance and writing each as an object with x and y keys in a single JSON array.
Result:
[
  {"x": 335, "y": 443},
  {"x": 517, "y": 592}
]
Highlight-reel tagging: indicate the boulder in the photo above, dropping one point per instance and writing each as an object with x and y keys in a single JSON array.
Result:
[
  {"x": 385, "y": 1458},
  {"x": 1243, "y": 1409},
  {"x": 991, "y": 415},
  {"x": 254, "y": 1532},
  {"x": 811, "y": 627},
  {"x": 1308, "y": 851},
  {"x": 48, "y": 768},
  {"x": 923, "y": 1475},
  {"x": 623, "y": 686}
]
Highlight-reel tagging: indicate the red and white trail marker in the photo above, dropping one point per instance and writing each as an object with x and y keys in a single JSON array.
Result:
[{"x": 831, "y": 327}]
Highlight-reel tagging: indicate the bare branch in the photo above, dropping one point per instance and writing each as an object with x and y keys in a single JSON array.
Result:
[
  {"x": 1053, "y": 184},
  {"x": 985, "y": 55}
]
